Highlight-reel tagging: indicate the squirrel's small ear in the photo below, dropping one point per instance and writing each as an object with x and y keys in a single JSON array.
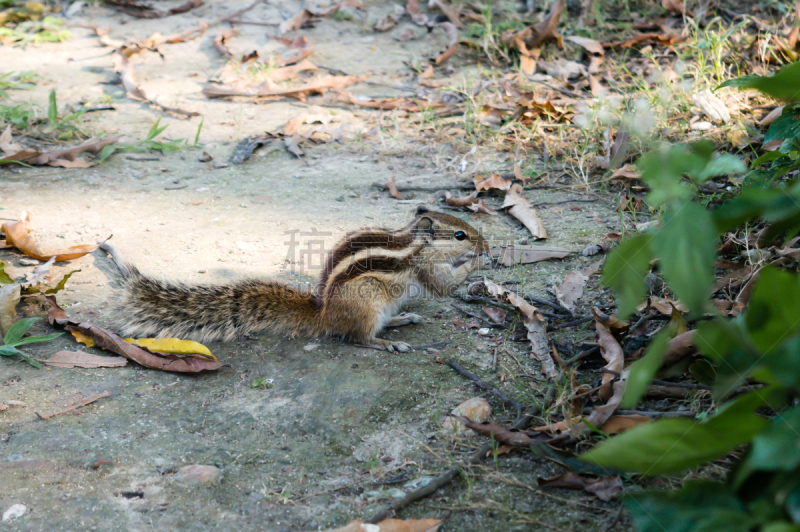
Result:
[
  {"x": 424, "y": 226},
  {"x": 422, "y": 209}
]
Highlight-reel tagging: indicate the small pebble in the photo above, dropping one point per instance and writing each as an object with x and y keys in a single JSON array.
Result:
[
  {"x": 310, "y": 347},
  {"x": 14, "y": 511},
  {"x": 197, "y": 474},
  {"x": 29, "y": 262},
  {"x": 220, "y": 164},
  {"x": 485, "y": 331}
]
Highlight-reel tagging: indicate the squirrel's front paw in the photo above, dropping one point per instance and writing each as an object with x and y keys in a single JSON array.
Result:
[
  {"x": 400, "y": 347},
  {"x": 404, "y": 318}
]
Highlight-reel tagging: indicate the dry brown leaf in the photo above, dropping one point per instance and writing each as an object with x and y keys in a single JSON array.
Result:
[
  {"x": 764, "y": 122},
  {"x": 546, "y": 29},
  {"x": 571, "y": 289},
  {"x": 563, "y": 69},
  {"x": 144, "y": 10},
  {"x": 18, "y": 234},
  {"x": 293, "y": 144},
  {"x": 535, "y": 324},
  {"x": 649, "y": 38},
  {"x": 664, "y": 305},
  {"x": 512, "y": 255},
  {"x": 298, "y": 49},
  {"x": 38, "y": 274},
  {"x": 475, "y": 409},
  {"x": 628, "y": 171},
  {"x": 522, "y": 211},
  {"x": 614, "y": 356},
  {"x": 304, "y": 16},
  {"x": 588, "y": 44},
  {"x": 500, "y": 434},
  {"x": 78, "y": 359},
  {"x": 679, "y": 347},
  {"x": 482, "y": 207},
  {"x": 461, "y": 202},
  {"x": 467, "y": 325},
  {"x": 495, "y": 181},
  {"x": 75, "y": 406},
  {"x": 317, "y": 85},
  {"x": 114, "y": 343},
  {"x": 384, "y": 104},
  {"x": 452, "y": 35},
  {"x": 123, "y": 67},
  {"x": 220, "y": 42},
  {"x": 497, "y": 315},
  {"x": 9, "y": 298},
  {"x": 393, "y": 188},
  {"x": 605, "y": 488},
  {"x": 392, "y": 525},
  {"x": 674, "y": 6},
  {"x": 406, "y": 35},
  {"x": 618, "y": 424},
  {"x": 452, "y": 12}
]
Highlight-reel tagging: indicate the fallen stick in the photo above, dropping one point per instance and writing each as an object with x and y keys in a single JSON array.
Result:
[
  {"x": 76, "y": 406},
  {"x": 491, "y": 389},
  {"x": 450, "y": 474}
]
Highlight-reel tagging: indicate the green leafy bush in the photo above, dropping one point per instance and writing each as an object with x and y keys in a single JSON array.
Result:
[{"x": 761, "y": 345}]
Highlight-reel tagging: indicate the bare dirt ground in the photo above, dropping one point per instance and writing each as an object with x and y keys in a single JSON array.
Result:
[{"x": 344, "y": 429}]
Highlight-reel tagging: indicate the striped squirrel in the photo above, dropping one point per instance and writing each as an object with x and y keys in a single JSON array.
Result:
[{"x": 366, "y": 279}]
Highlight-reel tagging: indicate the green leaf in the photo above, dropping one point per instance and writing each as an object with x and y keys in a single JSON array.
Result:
[
  {"x": 780, "y": 526},
  {"x": 767, "y": 157},
  {"x": 663, "y": 168},
  {"x": 689, "y": 509},
  {"x": 669, "y": 446},
  {"x": 642, "y": 371},
  {"x": 777, "y": 448},
  {"x": 57, "y": 288},
  {"x": 703, "y": 372},
  {"x": 758, "y": 179},
  {"x": 625, "y": 270},
  {"x": 728, "y": 345},
  {"x": 17, "y": 330},
  {"x": 773, "y": 313},
  {"x": 106, "y": 152},
  {"x": 4, "y": 277},
  {"x": 13, "y": 351},
  {"x": 52, "y": 109},
  {"x": 783, "y": 85},
  {"x": 724, "y": 164},
  {"x": 34, "y": 339},
  {"x": 786, "y": 126},
  {"x": 686, "y": 246}
]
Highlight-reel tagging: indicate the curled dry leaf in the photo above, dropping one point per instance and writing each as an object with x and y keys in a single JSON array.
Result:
[
  {"x": 298, "y": 49},
  {"x": 482, "y": 207},
  {"x": 614, "y": 356},
  {"x": 306, "y": 15},
  {"x": 501, "y": 434},
  {"x": 461, "y": 202},
  {"x": 476, "y": 409},
  {"x": 38, "y": 274},
  {"x": 497, "y": 315},
  {"x": 619, "y": 424},
  {"x": 518, "y": 254},
  {"x": 123, "y": 67},
  {"x": 66, "y": 156},
  {"x": 679, "y": 347},
  {"x": 18, "y": 234},
  {"x": 535, "y": 324},
  {"x": 221, "y": 45},
  {"x": 628, "y": 171},
  {"x": 393, "y": 188},
  {"x": 116, "y": 344},
  {"x": 674, "y": 6},
  {"x": 452, "y": 35},
  {"x": 648, "y": 38},
  {"x": 9, "y": 297},
  {"x": 317, "y": 85},
  {"x": 495, "y": 181},
  {"x": 588, "y": 44},
  {"x": 392, "y": 525},
  {"x": 571, "y": 289},
  {"x": 452, "y": 12},
  {"x": 605, "y": 488},
  {"x": 145, "y": 10},
  {"x": 77, "y": 359},
  {"x": 521, "y": 209},
  {"x": 293, "y": 144}
]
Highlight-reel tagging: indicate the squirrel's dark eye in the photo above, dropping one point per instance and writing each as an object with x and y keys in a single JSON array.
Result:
[{"x": 460, "y": 235}]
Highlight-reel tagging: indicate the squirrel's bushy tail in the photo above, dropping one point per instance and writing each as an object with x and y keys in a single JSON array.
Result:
[{"x": 158, "y": 308}]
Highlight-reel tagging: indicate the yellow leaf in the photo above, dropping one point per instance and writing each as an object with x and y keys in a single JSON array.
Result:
[
  {"x": 82, "y": 338},
  {"x": 173, "y": 346}
]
